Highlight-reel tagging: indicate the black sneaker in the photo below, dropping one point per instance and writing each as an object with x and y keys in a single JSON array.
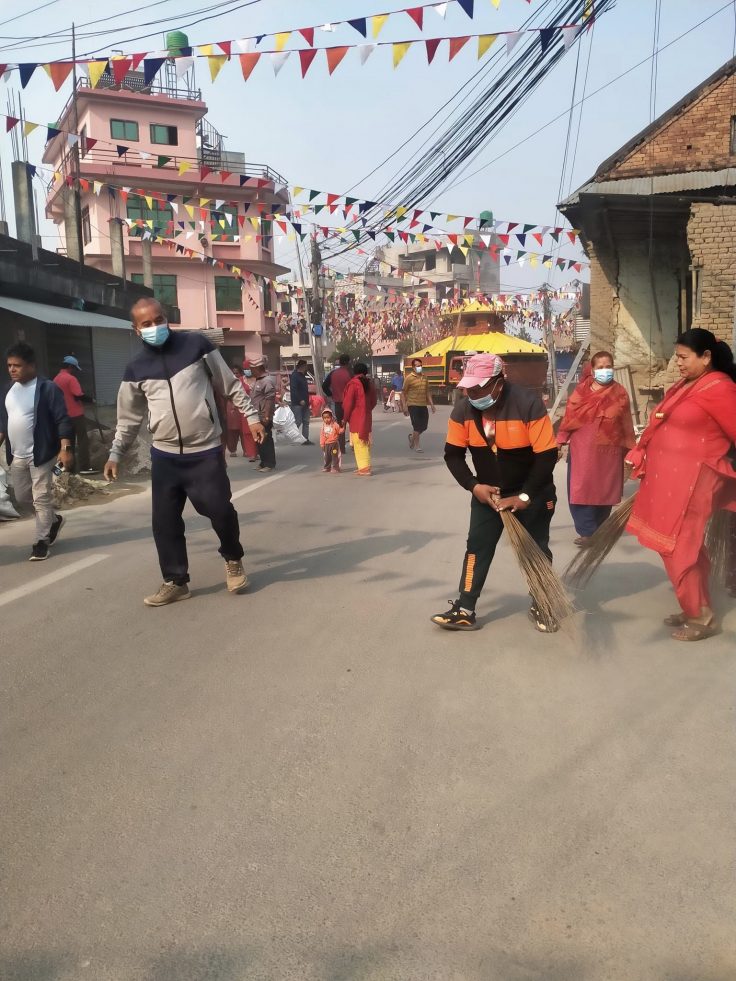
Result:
[
  {"x": 55, "y": 528},
  {"x": 455, "y": 618},
  {"x": 39, "y": 552},
  {"x": 541, "y": 624}
]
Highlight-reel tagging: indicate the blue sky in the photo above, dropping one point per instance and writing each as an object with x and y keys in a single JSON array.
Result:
[{"x": 329, "y": 133}]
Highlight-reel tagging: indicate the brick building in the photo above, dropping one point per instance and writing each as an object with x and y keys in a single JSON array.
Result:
[{"x": 658, "y": 223}]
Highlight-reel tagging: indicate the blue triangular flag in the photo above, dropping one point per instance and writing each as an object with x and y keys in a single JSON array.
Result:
[
  {"x": 545, "y": 36},
  {"x": 51, "y": 132},
  {"x": 25, "y": 71},
  {"x": 359, "y": 25},
  {"x": 151, "y": 68},
  {"x": 31, "y": 168},
  {"x": 507, "y": 260},
  {"x": 122, "y": 150},
  {"x": 467, "y": 6},
  {"x": 260, "y": 38},
  {"x": 521, "y": 239}
]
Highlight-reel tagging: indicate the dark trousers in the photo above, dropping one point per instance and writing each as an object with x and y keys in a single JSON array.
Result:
[
  {"x": 332, "y": 455},
  {"x": 485, "y": 532},
  {"x": 340, "y": 416},
  {"x": 587, "y": 518},
  {"x": 301, "y": 417},
  {"x": 80, "y": 444},
  {"x": 267, "y": 449},
  {"x": 206, "y": 484}
]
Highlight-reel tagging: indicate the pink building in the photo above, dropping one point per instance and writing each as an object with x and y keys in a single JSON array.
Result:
[{"x": 167, "y": 119}]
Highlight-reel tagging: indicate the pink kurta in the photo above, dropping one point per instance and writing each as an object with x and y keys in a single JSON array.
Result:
[{"x": 596, "y": 472}]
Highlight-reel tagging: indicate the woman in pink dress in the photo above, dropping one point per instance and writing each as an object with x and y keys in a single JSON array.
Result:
[{"x": 598, "y": 431}]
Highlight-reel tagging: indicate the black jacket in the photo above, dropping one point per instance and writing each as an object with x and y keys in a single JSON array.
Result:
[
  {"x": 51, "y": 424},
  {"x": 299, "y": 388}
]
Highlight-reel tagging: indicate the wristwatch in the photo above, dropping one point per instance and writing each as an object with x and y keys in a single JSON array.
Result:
[{"x": 524, "y": 497}]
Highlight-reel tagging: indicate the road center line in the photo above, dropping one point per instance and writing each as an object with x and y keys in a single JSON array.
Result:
[
  {"x": 32, "y": 587},
  {"x": 268, "y": 480}
]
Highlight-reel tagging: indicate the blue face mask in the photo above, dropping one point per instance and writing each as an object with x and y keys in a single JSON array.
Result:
[
  {"x": 248, "y": 373},
  {"x": 156, "y": 335},
  {"x": 604, "y": 376},
  {"x": 485, "y": 403}
]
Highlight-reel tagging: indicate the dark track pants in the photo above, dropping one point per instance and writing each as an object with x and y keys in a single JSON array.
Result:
[
  {"x": 340, "y": 416},
  {"x": 267, "y": 449},
  {"x": 80, "y": 443},
  {"x": 485, "y": 532},
  {"x": 205, "y": 483}
]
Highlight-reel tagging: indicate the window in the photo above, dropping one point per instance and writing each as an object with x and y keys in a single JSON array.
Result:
[
  {"x": 733, "y": 136},
  {"x": 83, "y": 140},
  {"x": 164, "y": 288},
  {"x": 169, "y": 135},
  {"x": 124, "y": 129},
  {"x": 86, "y": 226},
  {"x": 159, "y": 214},
  {"x": 225, "y": 223},
  {"x": 266, "y": 297},
  {"x": 228, "y": 293},
  {"x": 430, "y": 262}
]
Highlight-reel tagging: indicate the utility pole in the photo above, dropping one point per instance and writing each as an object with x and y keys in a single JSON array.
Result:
[
  {"x": 78, "y": 245},
  {"x": 549, "y": 339},
  {"x": 316, "y": 314}
]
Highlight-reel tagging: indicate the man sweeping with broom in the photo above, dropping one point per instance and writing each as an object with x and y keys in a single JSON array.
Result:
[{"x": 513, "y": 449}]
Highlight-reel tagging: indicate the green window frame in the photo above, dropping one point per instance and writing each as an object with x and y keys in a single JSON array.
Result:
[
  {"x": 124, "y": 129},
  {"x": 164, "y": 135},
  {"x": 164, "y": 287},
  {"x": 228, "y": 294},
  {"x": 159, "y": 214}
]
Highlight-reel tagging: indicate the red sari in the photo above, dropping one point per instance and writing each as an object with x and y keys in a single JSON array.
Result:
[
  {"x": 358, "y": 408},
  {"x": 686, "y": 476}
]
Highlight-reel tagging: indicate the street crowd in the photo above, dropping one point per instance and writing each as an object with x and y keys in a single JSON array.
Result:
[{"x": 198, "y": 409}]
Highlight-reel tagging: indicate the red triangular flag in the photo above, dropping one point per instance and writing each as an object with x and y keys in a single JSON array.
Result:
[
  {"x": 136, "y": 59},
  {"x": 225, "y": 46},
  {"x": 90, "y": 144},
  {"x": 466, "y": 222},
  {"x": 572, "y": 236},
  {"x": 306, "y": 58},
  {"x": 512, "y": 225},
  {"x": 224, "y": 174},
  {"x": 248, "y": 62},
  {"x": 457, "y": 44},
  {"x": 10, "y": 122},
  {"x": 432, "y": 44},
  {"x": 417, "y": 15},
  {"x": 308, "y": 34},
  {"x": 331, "y": 198},
  {"x": 120, "y": 68},
  {"x": 204, "y": 172},
  {"x": 335, "y": 56},
  {"x": 538, "y": 237},
  {"x": 59, "y": 72}
]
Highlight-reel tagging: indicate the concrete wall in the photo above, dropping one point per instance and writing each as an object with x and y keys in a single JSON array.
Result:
[
  {"x": 711, "y": 234},
  {"x": 697, "y": 139}
]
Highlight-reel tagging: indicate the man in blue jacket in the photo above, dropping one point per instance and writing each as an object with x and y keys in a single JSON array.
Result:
[
  {"x": 37, "y": 432},
  {"x": 299, "y": 392}
]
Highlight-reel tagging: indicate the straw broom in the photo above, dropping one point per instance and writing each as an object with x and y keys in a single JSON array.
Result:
[
  {"x": 547, "y": 592},
  {"x": 716, "y": 544},
  {"x": 585, "y": 564}
]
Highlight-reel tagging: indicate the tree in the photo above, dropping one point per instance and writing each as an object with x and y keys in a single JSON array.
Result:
[
  {"x": 358, "y": 349},
  {"x": 405, "y": 347}
]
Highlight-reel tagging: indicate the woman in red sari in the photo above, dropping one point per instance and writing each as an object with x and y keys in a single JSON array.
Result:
[
  {"x": 686, "y": 474},
  {"x": 359, "y": 401},
  {"x": 598, "y": 431}
]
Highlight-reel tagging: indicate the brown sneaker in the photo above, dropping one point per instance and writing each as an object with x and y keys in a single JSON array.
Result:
[
  {"x": 235, "y": 576},
  {"x": 168, "y": 592}
]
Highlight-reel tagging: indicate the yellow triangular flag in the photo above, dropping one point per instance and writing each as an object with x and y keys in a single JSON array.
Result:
[
  {"x": 149, "y": 222},
  {"x": 548, "y": 263},
  {"x": 496, "y": 3},
  {"x": 203, "y": 202},
  {"x": 453, "y": 217},
  {"x": 377, "y": 23},
  {"x": 400, "y": 211},
  {"x": 28, "y": 128},
  {"x": 149, "y": 201},
  {"x": 400, "y": 49},
  {"x": 281, "y": 39},
  {"x": 184, "y": 166},
  {"x": 95, "y": 69},
  {"x": 255, "y": 222},
  {"x": 469, "y": 240},
  {"x": 532, "y": 260},
  {"x": 464, "y": 249},
  {"x": 189, "y": 208},
  {"x": 216, "y": 62},
  {"x": 205, "y": 49},
  {"x": 484, "y": 43},
  {"x": 297, "y": 191}
]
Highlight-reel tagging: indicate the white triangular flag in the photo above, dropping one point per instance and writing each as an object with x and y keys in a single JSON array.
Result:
[
  {"x": 143, "y": 155},
  {"x": 183, "y": 65},
  {"x": 569, "y": 34},
  {"x": 72, "y": 139},
  {"x": 97, "y": 187},
  {"x": 328, "y": 27},
  {"x": 441, "y": 8},
  {"x": 365, "y": 51},
  {"x": 486, "y": 240},
  {"x": 219, "y": 204},
  {"x": 245, "y": 45},
  {"x": 522, "y": 260},
  {"x": 512, "y": 39},
  {"x": 278, "y": 58}
]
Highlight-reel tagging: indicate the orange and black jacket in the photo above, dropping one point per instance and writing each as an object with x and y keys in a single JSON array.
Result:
[{"x": 519, "y": 458}]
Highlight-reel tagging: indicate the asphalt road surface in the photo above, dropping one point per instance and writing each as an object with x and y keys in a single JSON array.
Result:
[{"x": 311, "y": 782}]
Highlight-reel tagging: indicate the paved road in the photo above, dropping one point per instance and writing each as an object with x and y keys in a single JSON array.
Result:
[{"x": 310, "y": 782}]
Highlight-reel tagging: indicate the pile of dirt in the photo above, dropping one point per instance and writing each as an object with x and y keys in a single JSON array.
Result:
[
  {"x": 70, "y": 489},
  {"x": 136, "y": 461}
]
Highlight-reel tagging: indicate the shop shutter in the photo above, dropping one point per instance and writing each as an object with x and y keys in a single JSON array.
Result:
[{"x": 113, "y": 349}]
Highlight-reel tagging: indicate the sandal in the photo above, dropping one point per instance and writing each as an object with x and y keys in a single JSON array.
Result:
[
  {"x": 676, "y": 620},
  {"x": 691, "y": 631}
]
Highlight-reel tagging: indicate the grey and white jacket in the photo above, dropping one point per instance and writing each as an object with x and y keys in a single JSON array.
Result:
[{"x": 173, "y": 388}]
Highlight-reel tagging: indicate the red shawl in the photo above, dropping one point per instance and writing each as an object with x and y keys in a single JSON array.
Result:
[
  {"x": 609, "y": 407},
  {"x": 358, "y": 407}
]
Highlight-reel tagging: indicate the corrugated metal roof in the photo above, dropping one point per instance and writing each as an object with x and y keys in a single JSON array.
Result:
[
  {"x": 61, "y": 316},
  {"x": 694, "y": 180}
]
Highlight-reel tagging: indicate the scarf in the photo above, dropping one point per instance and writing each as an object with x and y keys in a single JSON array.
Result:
[{"x": 608, "y": 406}]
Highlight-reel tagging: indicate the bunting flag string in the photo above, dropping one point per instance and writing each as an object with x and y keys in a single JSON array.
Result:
[{"x": 118, "y": 66}]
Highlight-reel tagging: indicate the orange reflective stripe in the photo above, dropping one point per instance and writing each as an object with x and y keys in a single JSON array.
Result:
[
  {"x": 469, "y": 570},
  {"x": 542, "y": 436},
  {"x": 457, "y": 434}
]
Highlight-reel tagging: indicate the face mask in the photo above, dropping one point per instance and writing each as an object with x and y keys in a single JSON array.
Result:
[
  {"x": 418, "y": 370},
  {"x": 604, "y": 376},
  {"x": 248, "y": 373},
  {"x": 155, "y": 336},
  {"x": 485, "y": 403}
]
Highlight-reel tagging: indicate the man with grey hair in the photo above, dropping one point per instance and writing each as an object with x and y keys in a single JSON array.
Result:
[
  {"x": 172, "y": 383},
  {"x": 263, "y": 397}
]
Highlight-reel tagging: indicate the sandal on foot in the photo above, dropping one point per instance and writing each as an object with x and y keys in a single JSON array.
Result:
[
  {"x": 675, "y": 620},
  {"x": 692, "y": 631}
]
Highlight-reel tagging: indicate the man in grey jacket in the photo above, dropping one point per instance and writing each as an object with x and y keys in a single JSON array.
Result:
[{"x": 172, "y": 383}]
